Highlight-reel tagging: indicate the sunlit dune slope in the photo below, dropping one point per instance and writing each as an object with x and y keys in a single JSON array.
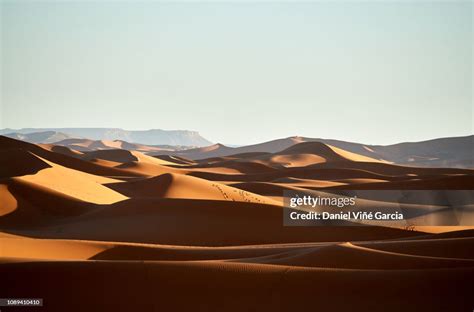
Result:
[
  {"x": 8, "y": 202},
  {"x": 76, "y": 184},
  {"x": 298, "y": 155},
  {"x": 187, "y": 187}
]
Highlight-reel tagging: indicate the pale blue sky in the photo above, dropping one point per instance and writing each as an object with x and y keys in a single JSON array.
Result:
[{"x": 241, "y": 72}]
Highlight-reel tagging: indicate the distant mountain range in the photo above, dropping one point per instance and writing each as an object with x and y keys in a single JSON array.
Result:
[
  {"x": 38, "y": 137},
  {"x": 148, "y": 137}
]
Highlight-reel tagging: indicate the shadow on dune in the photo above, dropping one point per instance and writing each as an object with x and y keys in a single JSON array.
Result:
[
  {"x": 37, "y": 206},
  {"x": 116, "y": 155},
  {"x": 18, "y": 162},
  {"x": 196, "y": 286},
  {"x": 200, "y": 223}
]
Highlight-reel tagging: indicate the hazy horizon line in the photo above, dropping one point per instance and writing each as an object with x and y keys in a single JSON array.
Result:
[{"x": 229, "y": 144}]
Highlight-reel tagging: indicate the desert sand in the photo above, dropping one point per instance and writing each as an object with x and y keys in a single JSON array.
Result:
[{"x": 113, "y": 229}]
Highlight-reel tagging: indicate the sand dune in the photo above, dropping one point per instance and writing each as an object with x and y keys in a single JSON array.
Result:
[
  {"x": 76, "y": 184},
  {"x": 453, "y": 152},
  {"x": 220, "y": 150},
  {"x": 209, "y": 286},
  {"x": 176, "y": 160},
  {"x": 115, "y": 155},
  {"x": 8, "y": 203},
  {"x": 147, "y": 167},
  {"x": 231, "y": 157},
  {"x": 87, "y": 145},
  {"x": 20, "y": 162},
  {"x": 7, "y": 144},
  {"x": 309, "y": 182},
  {"x": 41, "y": 249},
  {"x": 388, "y": 255},
  {"x": 298, "y": 155},
  {"x": 90, "y": 223},
  {"x": 251, "y": 166},
  {"x": 61, "y": 150},
  {"x": 35, "y": 205},
  {"x": 309, "y": 153},
  {"x": 218, "y": 223},
  {"x": 267, "y": 277},
  {"x": 335, "y": 256},
  {"x": 170, "y": 185}
]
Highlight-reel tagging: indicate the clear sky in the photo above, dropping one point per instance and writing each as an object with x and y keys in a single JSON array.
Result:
[{"x": 241, "y": 72}]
